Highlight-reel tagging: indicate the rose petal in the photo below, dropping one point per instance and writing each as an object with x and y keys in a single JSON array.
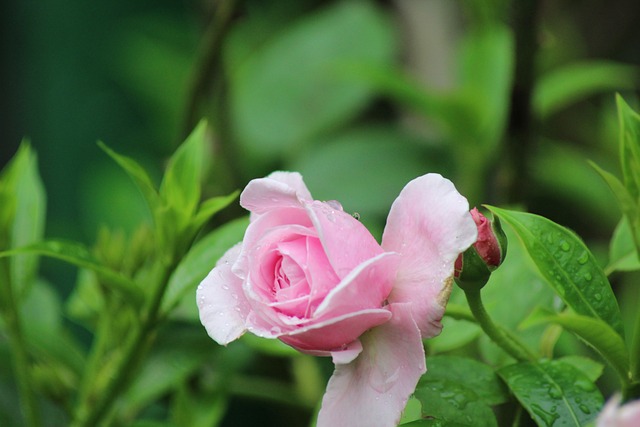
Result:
[
  {"x": 343, "y": 356},
  {"x": 366, "y": 286},
  {"x": 429, "y": 225},
  {"x": 221, "y": 302},
  {"x": 346, "y": 241},
  {"x": 373, "y": 389},
  {"x": 278, "y": 190},
  {"x": 335, "y": 333}
]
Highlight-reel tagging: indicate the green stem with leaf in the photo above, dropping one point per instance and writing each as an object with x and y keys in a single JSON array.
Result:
[
  {"x": 20, "y": 353},
  {"x": 507, "y": 342}
]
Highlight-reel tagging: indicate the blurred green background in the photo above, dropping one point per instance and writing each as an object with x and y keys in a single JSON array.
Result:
[{"x": 506, "y": 98}]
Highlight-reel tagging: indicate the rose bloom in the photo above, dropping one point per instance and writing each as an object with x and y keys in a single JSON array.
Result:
[
  {"x": 616, "y": 415},
  {"x": 312, "y": 276}
]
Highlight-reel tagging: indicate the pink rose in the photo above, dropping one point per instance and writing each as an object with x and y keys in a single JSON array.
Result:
[
  {"x": 312, "y": 276},
  {"x": 616, "y": 415}
]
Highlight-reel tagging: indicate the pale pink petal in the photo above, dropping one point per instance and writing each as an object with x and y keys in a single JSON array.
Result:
[
  {"x": 342, "y": 356},
  {"x": 335, "y": 333},
  {"x": 368, "y": 285},
  {"x": 278, "y": 190},
  {"x": 346, "y": 241},
  {"x": 373, "y": 389},
  {"x": 616, "y": 415},
  {"x": 221, "y": 302},
  {"x": 429, "y": 225}
]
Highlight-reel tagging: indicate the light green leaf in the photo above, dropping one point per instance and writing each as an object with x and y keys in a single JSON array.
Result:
[
  {"x": 78, "y": 255},
  {"x": 571, "y": 83},
  {"x": 180, "y": 187},
  {"x": 595, "y": 332},
  {"x": 294, "y": 86},
  {"x": 211, "y": 207},
  {"x": 137, "y": 174},
  {"x": 29, "y": 219},
  {"x": 198, "y": 262},
  {"x": 457, "y": 390},
  {"x": 553, "y": 392},
  {"x": 592, "y": 369},
  {"x": 622, "y": 251},
  {"x": 629, "y": 122},
  {"x": 203, "y": 409},
  {"x": 567, "y": 265},
  {"x": 486, "y": 73}
]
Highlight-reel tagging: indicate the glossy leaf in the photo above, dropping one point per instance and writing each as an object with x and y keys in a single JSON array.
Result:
[
  {"x": 595, "y": 332},
  {"x": 198, "y": 262},
  {"x": 566, "y": 85},
  {"x": 137, "y": 174},
  {"x": 180, "y": 187},
  {"x": 211, "y": 207},
  {"x": 459, "y": 390},
  {"x": 623, "y": 255},
  {"x": 592, "y": 369},
  {"x": 78, "y": 255},
  {"x": 554, "y": 393},
  {"x": 293, "y": 86},
  {"x": 567, "y": 265}
]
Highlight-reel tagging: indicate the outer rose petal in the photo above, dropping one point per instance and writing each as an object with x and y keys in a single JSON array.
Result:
[
  {"x": 221, "y": 302},
  {"x": 372, "y": 390},
  {"x": 346, "y": 241},
  {"x": 614, "y": 415},
  {"x": 278, "y": 190},
  {"x": 429, "y": 225}
]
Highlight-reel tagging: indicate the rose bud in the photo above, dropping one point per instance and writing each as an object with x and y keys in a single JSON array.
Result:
[{"x": 474, "y": 266}]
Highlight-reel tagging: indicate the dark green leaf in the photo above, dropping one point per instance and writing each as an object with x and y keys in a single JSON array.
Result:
[
  {"x": 180, "y": 187},
  {"x": 198, "y": 409},
  {"x": 567, "y": 265},
  {"x": 554, "y": 393},
  {"x": 137, "y": 174},
  {"x": 566, "y": 85},
  {"x": 593, "y": 331},
  {"x": 78, "y": 255},
  {"x": 294, "y": 86},
  {"x": 198, "y": 262},
  {"x": 458, "y": 390},
  {"x": 622, "y": 251}
]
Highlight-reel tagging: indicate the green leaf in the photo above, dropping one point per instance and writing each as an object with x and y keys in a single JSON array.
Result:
[
  {"x": 629, "y": 122},
  {"x": 571, "y": 83},
  {"x": 178, "y": 352},
  {"x": 294, "y": 85},
  {"x": 486, "y": 73},
  {"x": 567, "y": 265},
  {"x": 595, "y": 332},
  {"x": 203, "y": 409},
  {"x": 29, "y": 219},
  {"x": 211, "y": 207},
  {"x": 622, "y": 251},
  {"x": 137, "y": 174},
  {"x": 553, "y": 392},
  {"x": 180, "y": 187},
  {"x": 457, "y": 390},
  {"x": 78, "y": 255},
  {"x": 592, "y": 369},
  {"x": 198, "y": 262},
  {"x": 626, "y": 201}
]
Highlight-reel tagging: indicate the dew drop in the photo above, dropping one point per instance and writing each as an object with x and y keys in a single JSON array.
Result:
[
  {"x": 598, "y": 297},
  {"x": 583, "y": 258},
  {"x": 588, "y": 276},
  {"x": 555, "y": 393},
  {"x": 225, "y": 287},
  {"x": 275, "y": 330},
  {"x": 565, "y": 246},
  {"x": 585, "y": 409},
  {"x": 221, "y": 313}
]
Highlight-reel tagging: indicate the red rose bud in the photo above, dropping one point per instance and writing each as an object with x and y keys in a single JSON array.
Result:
[{"x": 474, "y": 266}]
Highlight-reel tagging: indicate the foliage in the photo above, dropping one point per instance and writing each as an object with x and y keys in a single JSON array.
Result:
[{"x": 514, "y": 110}]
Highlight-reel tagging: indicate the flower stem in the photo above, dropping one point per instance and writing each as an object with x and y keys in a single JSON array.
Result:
[
  {"x": 20, "y": 354},
  {"x": 505, "y": 341}
]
